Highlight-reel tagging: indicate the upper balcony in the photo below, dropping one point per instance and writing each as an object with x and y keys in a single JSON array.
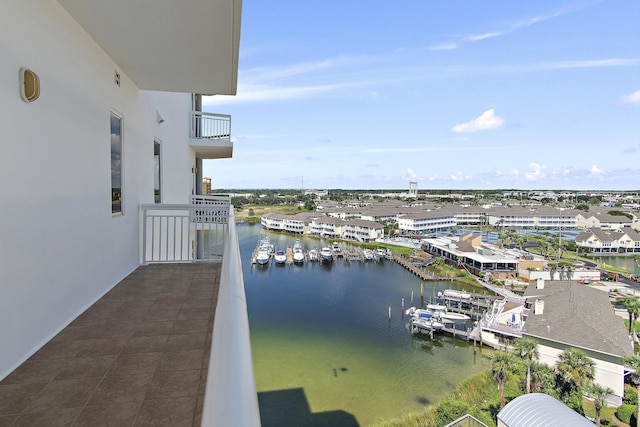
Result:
[
  {"x": 210, "y": 135},
  {"x": 176, "y": 46}
]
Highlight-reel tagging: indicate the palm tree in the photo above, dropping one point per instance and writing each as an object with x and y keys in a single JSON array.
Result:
[
  {"x": 633, "y": 362},
  {"x": 575, "y": 370},
  {"x": 632, "y": 304},
  {"x": 527, "y": 350},
  {"x": 599, "y": 395},
  {"x": 502, "y": 364}
]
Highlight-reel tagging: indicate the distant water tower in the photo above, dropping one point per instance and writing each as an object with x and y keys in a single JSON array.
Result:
[{"x": 413, "y": 189}]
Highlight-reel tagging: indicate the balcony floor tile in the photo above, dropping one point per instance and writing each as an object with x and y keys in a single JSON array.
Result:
[{"x": 138, "y": 356}]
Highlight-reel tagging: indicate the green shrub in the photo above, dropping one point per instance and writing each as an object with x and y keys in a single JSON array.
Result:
[
  {"x": 630, "y": 395},
  {"x": 450, "y": 410},
  {"x": 625, "y": 412}
]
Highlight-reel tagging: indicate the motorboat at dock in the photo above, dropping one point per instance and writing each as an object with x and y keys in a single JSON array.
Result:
[
  {"x": 368, "y": 254},
  {"x": 264, "y": 251},
  {"x": 440, "y": 312},
  {"x": 456, "y": 295},
  {"x": 326, "y": 254},
  {"x": 424, "y": 325},
  {"x": 335, "y": 247},
  {"x": 298, "y": 253},
  {"x": 280, "y": 257}
]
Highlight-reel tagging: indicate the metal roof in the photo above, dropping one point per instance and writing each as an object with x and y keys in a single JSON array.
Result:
[{"x": 540, "y": 410}]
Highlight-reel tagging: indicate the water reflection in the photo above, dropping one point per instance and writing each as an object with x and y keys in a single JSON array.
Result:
[{"x": 325, "y": 329}]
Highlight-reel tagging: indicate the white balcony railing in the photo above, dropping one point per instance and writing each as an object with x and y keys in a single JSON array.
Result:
[
  {"x": 230, "y": 397},
  {"x": 210, "y": 125},
  {"x": 183, "y": 233},
  {"x": 205, "y": 231}
]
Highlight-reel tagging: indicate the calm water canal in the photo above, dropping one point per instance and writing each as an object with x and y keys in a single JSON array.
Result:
[{"x": 324, "y": 349}]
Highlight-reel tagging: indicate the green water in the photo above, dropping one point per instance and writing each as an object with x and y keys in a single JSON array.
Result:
[
  {"x": 325, "y": 351},
  {"x": 624, "y": 262}
]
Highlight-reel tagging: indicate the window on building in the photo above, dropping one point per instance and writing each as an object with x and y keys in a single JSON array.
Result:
[
  {"x": 116, "y": 163},
  {"x": 157, "y": 174}
]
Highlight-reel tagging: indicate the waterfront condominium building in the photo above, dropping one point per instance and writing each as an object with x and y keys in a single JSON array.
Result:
[{"x": 100, "y": 99}]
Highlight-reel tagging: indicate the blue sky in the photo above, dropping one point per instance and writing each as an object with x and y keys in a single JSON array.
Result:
[{"x": 452, "y": 94}]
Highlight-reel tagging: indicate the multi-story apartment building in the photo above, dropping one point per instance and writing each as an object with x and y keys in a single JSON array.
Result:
[
  {"x": 363, "y": 230},
  {"x": 426, "y": 222},
  {"x": 100, "y": 99},
  {"x": 598, "y": 241}
]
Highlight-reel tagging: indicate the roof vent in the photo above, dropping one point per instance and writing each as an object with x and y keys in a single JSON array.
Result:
[
  {"x": 540, "y": 283},
  {"x": 538, "y": 307}
]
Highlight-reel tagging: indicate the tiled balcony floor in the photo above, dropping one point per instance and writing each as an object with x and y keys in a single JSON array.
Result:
[{"x": 137, "y": 357}]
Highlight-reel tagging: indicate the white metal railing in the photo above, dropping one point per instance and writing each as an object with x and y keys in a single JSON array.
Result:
[
  {"x": 184, "y": 233},
  {"x": 230, "y": 396},
  {"x": 210, "y": 125}
]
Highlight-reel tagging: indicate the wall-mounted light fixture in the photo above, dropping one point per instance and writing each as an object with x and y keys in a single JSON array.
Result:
[
  {"x": 29, "y": 85},
  {"x": 159, "y": 117}
]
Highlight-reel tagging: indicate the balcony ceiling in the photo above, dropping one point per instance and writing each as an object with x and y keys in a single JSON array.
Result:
[{"x": 167, "y": 45}]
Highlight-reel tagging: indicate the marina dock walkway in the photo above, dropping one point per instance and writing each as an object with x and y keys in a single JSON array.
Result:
[{"x": 417, "y": 270}]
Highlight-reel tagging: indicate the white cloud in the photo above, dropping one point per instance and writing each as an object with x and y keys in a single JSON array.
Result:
[
  {"x": 509, "y": 27},
  {"x": 536, "y": 172},
  {"x": 594, "y": 171},
  {"x": 478, "y": 37},
  {"x": 255, "y": 93},
  {"x": 412, "y": 174},
  {"x": 460, "y": 177},
  {"x": 632, "y": 99},
  {"x": 486, "y": 121}
]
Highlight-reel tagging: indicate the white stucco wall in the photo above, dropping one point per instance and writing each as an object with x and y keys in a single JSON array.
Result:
[
  {"x": 609, "y": 371},
  {"x": 61, "y": 248}
]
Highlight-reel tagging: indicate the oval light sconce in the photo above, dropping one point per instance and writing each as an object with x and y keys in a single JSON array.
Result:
[{"x": 29, "y": 85}]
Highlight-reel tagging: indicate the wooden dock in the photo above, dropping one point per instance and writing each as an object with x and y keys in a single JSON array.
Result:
[{"x": 418, "y": 271}]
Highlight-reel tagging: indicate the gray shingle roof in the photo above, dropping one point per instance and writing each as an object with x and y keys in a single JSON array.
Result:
[{"x": 579, "y": 316}]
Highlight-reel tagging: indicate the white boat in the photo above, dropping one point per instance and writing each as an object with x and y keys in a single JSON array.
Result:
[
  {"x": 313, "y": 255},
  {"x": 418, "y": 313},
  {"x": 368, "y": 254},
  {"x": 264, "y": 251},
  {"x": 458, "y": 295},
  {"x": 298, "y": 252},
  {"x": 381, "y": 253},
  {"x": 280, "y": 256},
  {"x": 326, "y": 254},
  {"x": 335, "y": 247},
  {"x": 440, "y": 312},
  {"x": 424, "y": 326},
  {"x": 263, "y": 256}
]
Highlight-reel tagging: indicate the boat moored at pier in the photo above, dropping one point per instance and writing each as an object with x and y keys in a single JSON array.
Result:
[
  {"x": 298, "y": 252},
  {"x": 280, "y": 257},
  {"x": 440, "y": 312},
  {"x": 326, "y": 254}
]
